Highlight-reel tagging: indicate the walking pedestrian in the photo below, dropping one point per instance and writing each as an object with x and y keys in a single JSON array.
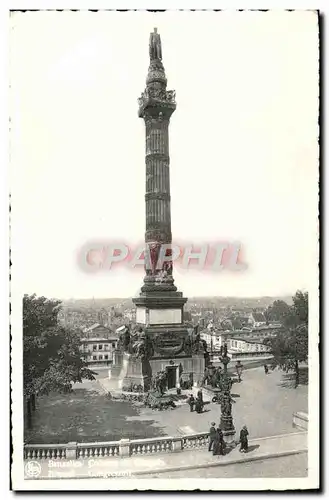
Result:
[
  {"x": 244, "y": 439},
  {"x": 239, "y": 368},
  {"x": 212, "y": 434},
  {"x": 191, "y": 402},
  {"x": 266, "y": 369}
]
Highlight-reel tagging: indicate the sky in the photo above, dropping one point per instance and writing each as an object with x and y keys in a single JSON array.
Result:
[{"x": 243, "y": 146}]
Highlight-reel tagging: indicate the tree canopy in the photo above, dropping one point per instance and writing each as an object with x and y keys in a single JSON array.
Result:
[
  {"x": 277, "y": 311},
  {"x": 52, "y": 357},
  {"x": 290, "y": 347}
]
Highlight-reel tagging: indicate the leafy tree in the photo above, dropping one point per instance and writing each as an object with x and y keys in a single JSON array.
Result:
[
  {"x": 277, "y": 311},
  {"x": 51, "y": 353},
  {"x": 290, "y": 347},
  {"x": 300, "y": 306}
]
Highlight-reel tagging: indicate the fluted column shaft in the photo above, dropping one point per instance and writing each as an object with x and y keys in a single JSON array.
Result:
[{"x": 157, "y": 197}]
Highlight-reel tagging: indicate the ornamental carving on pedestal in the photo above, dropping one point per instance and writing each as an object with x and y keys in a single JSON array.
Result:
[{"x": 169, "y": 344}]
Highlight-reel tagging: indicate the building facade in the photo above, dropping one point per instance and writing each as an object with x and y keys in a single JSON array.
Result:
[{"x": 98, "y": 345}]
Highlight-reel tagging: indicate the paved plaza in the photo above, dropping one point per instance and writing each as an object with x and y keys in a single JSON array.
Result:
[{"x": 264, "y": 403}]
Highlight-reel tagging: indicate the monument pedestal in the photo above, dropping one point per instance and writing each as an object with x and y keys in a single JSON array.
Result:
[
  {"x": 116, "y": 368},
  {"x": 138, "y": 376}
]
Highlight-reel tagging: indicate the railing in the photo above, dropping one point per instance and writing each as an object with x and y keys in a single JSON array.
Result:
[
  {"x": 155, "y": 445},
  {"x": 45, "y": 451},
  {"x": 195, "y": 441},
  {"x": 91, "y": 450},
  {"x": 122, "y": 448}
]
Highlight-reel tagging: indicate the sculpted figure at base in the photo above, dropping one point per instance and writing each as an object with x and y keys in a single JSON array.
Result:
[
  {"x": 194, "y": 344},
  {"x": 159, "y": 382},
  {"x": 142, "y": 345},
  {"x": 124, "y": 340}
]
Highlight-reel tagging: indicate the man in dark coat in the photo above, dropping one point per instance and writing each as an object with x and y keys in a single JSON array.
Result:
[
  {"x": 200, "y": 395},
  {"x": 218, "y": 443},
  {"x": 244, "y": 439},
  {"x": 212, "y": 434},
  {"x": 266, "y": 369}
]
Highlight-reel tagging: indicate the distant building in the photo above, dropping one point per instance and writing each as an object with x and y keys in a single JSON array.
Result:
[
  {"x": 130, "y": 315},
  {"x": 240, "y": 344},
  {"x": 257, "y": 319},
  {"x": 216, "y": 338},
  {"x": 98, "y": 344}
]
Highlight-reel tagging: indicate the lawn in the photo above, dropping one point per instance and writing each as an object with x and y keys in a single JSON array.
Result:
[{"x": 86, "y": 416}]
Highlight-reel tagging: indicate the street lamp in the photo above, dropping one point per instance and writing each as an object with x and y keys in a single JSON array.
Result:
[{"x": 226, "y": 419}]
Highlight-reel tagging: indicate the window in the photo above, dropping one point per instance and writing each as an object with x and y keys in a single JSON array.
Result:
[
  {"x": 106, "y": 347},
  {"x": 100, "y": 357},
  {"x": 113, "y": 344},
  {"x": 100, "y": 347},
  {"x": 94, "y": 347},
  {"x": 106, "y": 356},
  {"x": 94, "y": 357}
]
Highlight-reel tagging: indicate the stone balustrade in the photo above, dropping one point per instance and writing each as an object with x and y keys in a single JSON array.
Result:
[
  {"x": 95, "y": 450},
  {"x": 45, "y": 451},
  {"x": 195, "y": 441},
  {"x": 155, "y": 445},
  {"x": 122, "y": 448}
]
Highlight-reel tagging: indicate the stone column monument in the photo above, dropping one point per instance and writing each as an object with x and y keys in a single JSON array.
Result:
[{"x": 159, "y": 306}]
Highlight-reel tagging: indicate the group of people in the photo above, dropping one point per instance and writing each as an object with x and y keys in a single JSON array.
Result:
[
  {"x": 197, "y": 403},
  {"x": 217, "y": 443}
]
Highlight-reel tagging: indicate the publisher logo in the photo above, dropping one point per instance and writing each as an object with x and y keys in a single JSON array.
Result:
[{"x": 32, "y": 469}]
